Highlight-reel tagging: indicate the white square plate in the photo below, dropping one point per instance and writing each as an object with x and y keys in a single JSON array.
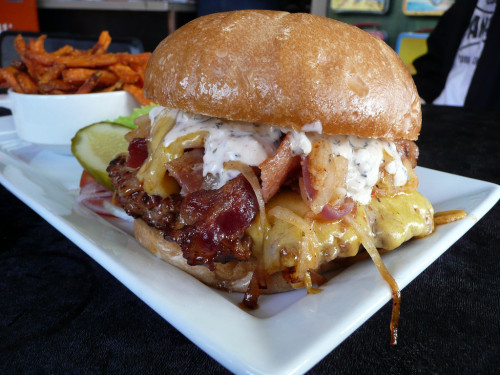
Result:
[{"x": 290, "y": 332}]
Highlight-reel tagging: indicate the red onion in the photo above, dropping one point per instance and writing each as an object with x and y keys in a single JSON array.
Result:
[
  {"x": 92, "y": 196},
  {"x": 331, "y": 213}
]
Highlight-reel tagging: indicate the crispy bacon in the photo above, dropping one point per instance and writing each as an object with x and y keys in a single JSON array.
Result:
[
  {"x": 188, "y": 171},
  {"x": 276, "y": 169},
  {"x": 209, "y": 225},
  {"x": 138, "y": 152},
  {"x": 215, "y": 224}
]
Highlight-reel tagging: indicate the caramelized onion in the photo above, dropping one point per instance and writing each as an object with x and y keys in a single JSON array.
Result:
[
  {"x": 445, "y": 217},
  {"x": 143, "y": 129},
  {"x": 292, "y": 218},
  {"x": 308, "y": 284},
  {"x": 249, "y": 174},
  {"x": 322, "y": 168},
  {"x": 385, "y": 186},
  {"x": 305, "y": 259},
  {"x": 369, "y": 245},
  {"x": 323, "y": 183}
]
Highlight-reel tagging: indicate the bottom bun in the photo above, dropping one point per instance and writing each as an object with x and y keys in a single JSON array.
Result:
[{"x": 232, "y": 276}]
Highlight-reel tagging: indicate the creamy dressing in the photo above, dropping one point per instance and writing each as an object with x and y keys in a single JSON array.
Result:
[
  {"x": 313, "y": 127},
  {"x": 299, "y": 142},
  {"x": 364, "y": 156},
  {"x": 155, "y": 111},
  {"x": 227, "y": 141},
  {"x": 251, "y": 144}
]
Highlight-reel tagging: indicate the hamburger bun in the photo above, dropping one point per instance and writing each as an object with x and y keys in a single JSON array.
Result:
[{"x": 286, "y": 70}]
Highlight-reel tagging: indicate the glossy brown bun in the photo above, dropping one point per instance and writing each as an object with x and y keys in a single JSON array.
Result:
[
  {"x": 233, "y": 276},
  {"x": 287, "y": 70}
]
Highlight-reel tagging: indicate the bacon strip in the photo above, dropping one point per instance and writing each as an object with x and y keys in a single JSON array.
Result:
[
  {"x": 275, "y": 170},
  {"x": 138, "y": 152},
  {"x": 215, "y": 224},
  {"x": 188, "y": 171}
]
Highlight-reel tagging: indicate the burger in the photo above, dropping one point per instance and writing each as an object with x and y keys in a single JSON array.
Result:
[{"x": 282, "y": 144}]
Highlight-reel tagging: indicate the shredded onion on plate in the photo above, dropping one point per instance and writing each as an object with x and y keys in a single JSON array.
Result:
[
  {"x": 445, "y": 217},
  {"x": 100, "y": 200},
  {"x": 369, "y": 245}
]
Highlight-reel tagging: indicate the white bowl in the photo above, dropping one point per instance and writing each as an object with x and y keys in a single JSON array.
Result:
[{"x": 50, "y": 121}]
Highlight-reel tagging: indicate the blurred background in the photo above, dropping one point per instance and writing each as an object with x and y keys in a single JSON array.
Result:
[{"x": 151, "y": 20}]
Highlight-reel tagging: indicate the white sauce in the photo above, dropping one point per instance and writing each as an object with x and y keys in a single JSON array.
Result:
[
  {"x": 364, "y": 156},
  {"x": 252, "y": 144},
  {"x": 155, "y": 111},
  {"x": 299, "y": 142},
  {"x": 227, "y": 141},
  {"x": 313, "y": 127}
]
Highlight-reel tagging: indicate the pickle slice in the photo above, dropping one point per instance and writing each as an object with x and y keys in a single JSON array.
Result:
[{"x": 94, "y": 146}]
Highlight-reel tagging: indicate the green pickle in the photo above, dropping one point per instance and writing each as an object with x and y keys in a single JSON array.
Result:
[{"x": 94, "y": 146}]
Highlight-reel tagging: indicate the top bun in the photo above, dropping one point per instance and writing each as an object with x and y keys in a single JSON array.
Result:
[{"x": 286, "y": 69}]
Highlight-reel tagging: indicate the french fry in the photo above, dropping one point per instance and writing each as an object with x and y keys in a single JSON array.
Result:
[
  {"x": 20, "y": 45},
  {"x": 69, "y": 70},
  {"x": 102, "y": 44},
  {"x": 57, "y": 84},
  {"x": 26, "y": 83},
  {"x": 21, "y": 48},
  {"x": 65, "y": 50},
  {"x": 141, "y": 70},
  {"x": 115, "y": 87},
  {"x": 9, "y": 75},
  {"x": 137, "y": 93},
  {"x": 77, "y": 75},
  {"x": 127, "y": 58},
  {"x": 57, "y": 92},
  {"x": 52, "y": 73},
  {"x": 19, "y": 65},
  {"x": 90, "y": 83},
  {"x": 37, "y": 45},
  {"x": 80, "y": 75},
  {"x": 3, "y": 82},
  {"x": 125, "y": 73},
  {"x": 83, "y": 61}
]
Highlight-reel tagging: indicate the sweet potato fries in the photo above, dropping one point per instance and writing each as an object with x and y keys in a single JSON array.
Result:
[{"x": 72, "y": 71}]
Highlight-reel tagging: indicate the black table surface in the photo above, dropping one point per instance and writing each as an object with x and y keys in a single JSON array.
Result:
[{"x": 62, "y": 313}]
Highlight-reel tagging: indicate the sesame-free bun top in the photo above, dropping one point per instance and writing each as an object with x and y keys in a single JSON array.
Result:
[{"x": 286, "y": 69}]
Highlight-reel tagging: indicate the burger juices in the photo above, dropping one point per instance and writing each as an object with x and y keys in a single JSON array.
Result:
[{"x": 282, "y": 143}]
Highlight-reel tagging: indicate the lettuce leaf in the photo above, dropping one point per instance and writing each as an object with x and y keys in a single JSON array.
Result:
[{"x": 128, "y": 121}]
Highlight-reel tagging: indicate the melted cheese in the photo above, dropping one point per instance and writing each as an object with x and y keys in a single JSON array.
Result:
[
  {"x": 397, "y": 219},
  {"x": 153, "y": 173},
  {"x": 391, "y": 220}
]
